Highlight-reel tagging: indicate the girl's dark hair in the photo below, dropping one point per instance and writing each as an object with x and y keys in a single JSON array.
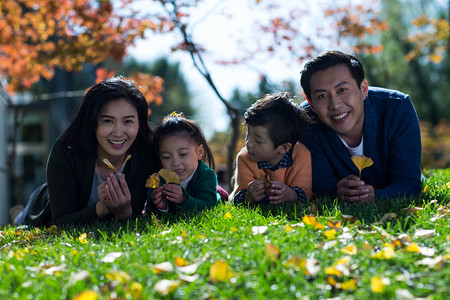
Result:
[
  {"x": 177, "y": 123},
  {"x": 81, "y": 132},
  {"x": 327, "y": 60},
  {"x": 286, "y": 120}
]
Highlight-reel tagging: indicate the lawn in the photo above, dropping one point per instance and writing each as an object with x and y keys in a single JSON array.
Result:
[{"x": 396, "y": 249}]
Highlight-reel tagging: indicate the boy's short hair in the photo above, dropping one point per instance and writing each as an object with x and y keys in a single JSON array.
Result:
[
  {"x": 327, "y": 60},
  {"x": 286, "y": 120}
]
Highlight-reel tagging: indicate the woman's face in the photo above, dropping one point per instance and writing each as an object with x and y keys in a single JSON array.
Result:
[{"x": 117, "y": 128}]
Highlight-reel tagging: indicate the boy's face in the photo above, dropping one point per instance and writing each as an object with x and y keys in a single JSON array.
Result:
[
  {"x": 339, "y": 102},
  {"x": 260, "y": 146}
]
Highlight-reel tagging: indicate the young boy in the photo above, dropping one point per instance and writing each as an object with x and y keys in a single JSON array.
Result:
[
  {"x": 273, "y": 167},
  {"x": 355, "y": 119}
]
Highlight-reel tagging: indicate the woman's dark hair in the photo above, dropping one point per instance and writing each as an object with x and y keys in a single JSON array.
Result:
[
  {"x": 286, "y": 120},
  {"x": 81, "y": 132},
  {"x": 178, "y": 124},
  {"x": 327, "y": 60}
]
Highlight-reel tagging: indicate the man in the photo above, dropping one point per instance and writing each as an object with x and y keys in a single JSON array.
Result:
[{"x": 353, "y": 119}]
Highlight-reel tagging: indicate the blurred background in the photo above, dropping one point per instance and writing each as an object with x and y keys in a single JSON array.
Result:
[{"x": 208, "y": 59}]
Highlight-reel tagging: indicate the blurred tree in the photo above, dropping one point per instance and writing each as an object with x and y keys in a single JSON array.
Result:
[
  {"x": 175, "y": 96},
  {"x": 415, "y": 57}
]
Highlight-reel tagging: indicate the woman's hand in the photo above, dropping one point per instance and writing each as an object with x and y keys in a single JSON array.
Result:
[
  {"x": 354, "y": 190},
  {"x": 279, "y": 192},
  {"x": 118, "y": 196},
  {"x": 174, "y": 193},
  {"x": 158, "y": 199}
]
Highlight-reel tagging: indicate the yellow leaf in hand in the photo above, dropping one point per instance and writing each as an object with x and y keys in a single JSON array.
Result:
[
  {"x": 220, "y": 271},
  {"x": 152, "y": 181},
  {"x": 169, "y": 176},
  {"x": 362, "y": 162},
  {"x": 109, "y": 164}
]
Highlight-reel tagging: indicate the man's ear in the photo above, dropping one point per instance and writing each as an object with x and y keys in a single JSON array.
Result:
[
  {"x": 284, "y": 148},
  {"x": 364, "y": 88}
]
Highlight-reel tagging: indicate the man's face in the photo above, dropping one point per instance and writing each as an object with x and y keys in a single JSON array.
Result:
[{"x": 339, "y": 102}]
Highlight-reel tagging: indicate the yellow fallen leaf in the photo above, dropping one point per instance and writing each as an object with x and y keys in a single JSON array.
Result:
[
  {"x": 83, "y": 238},
  {"x": 361, "y": 162},
  {"x": 366, "y": 246},
  {"x": 220, "y": 271},
  {"x": 272, "y": 252},
  {"x": 111, "y": 257},
  {"x": 330, "y": 234},
  {"x": 347, "y": 285},
  {"x": 377, "y": 285},
  {"x": 169, "y": 176},
  {"x": 288, "y": 228},
  {"x": 311, "y": 220},
  {"x": 350, "y": 249},
  {"x": 136, "y": 290},
  {"x": 436, "y": 263},
  {"x": 162, "y": 267},
  {"x": 152, "y": 181},
  {"x": 181, "y": 262},
  {"x": 297, "y": 263},
  {"x": 413, "y": 247},
  {"x": 165, "y": 286},
  {"x": 334, "y": 224},
  {"x": 86, "y": 295},
  {"x": 228, "y": 215},
  {"x": 387, "y": 252},
  {"x": 118, "y": 276}
]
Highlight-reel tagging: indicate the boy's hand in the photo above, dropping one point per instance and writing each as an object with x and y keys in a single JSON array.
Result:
[
  {"x": 174, "y": 193},
  {"x": 256, "y": 191},
  {"x": 279, "y": 192},
  {"x": 158, "y": 199},
  {"x": 354, "y": 190}
]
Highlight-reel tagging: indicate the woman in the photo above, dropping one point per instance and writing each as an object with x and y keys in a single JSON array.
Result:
[{"x": 98, "y": 167}]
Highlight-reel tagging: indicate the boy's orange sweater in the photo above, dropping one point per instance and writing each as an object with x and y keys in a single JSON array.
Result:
[{"x": 297, "y": 175}]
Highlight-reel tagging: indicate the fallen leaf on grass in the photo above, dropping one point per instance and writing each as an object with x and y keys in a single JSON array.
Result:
[
  {"x": 272, "y": 252},
  {"x": 349, "y": 219},
  {"x": 136, "y": 290},
  {"x": 228, "y": 215},
  {"x": 259, "y": 229},
  {"x": 377, "y": 284},
  {"x": 388, "y": 217},
  {"x": 162, "y": 267},
  {"x": 111, "y": 257},
  {"x": 339, "y": 268},
  {"x": 83, "y": 238},
  {"x": 350, "y": 250},
  {"x": 288, "y": 228},
  {"x": 334, "y": 224},
  {"x": 165, "y": 286},
  {"x": 311, "y": 220},
  {"x": 436, "y": 263},
  {"x": 330, "y": 234},
  {"x": 82, "y": 275},
  {"x": 181, "y": 262},
  {"x": 387, "y": 252},
  {"x": 188, "y": 278},
  {"x": 309, "y": 266},
  {"x": 413, "y": 247},
  {"x": 424, "y": 233},
  {"x": 86, "y": 295},
  {"x": 118, "y": 276},
  {"x": 220, "y": 271},
  {"x": 189, "y": 269}
]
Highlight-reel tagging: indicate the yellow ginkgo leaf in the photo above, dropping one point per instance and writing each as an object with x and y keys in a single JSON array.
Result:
[
  {"x": 162, "y": 267},
  {"x": 118, "y": 276},
  {"x": 413, "y": 247},
  {"x": 330, "y": 234},
  {"x": 109, "y": 164},
  {"x": 350, "y": 250},
  {"x": 228, "y": 215},
  {"x": 220, "y": 271},
  {"x": 181, "y": 262},
  {"x": 377, "y": 284},
  {"x": 86, "y": 295},
  {"x": 347, "y": 285},
  {"x": 334, "y": 224},
  {"x": 169, "y": 176},
  {"x": 288, "y": 228},
  {"x": 272, "y": 252},
  {"x": 361, "y": 162},
  {"x": 311, "y": 220},
  {"x": 83, "y": 238},
  {"x": 297, "y": 263},
  {"x": 152, "y": 181},
  {"x": 265, "y": 178},
  {"x": 136, "y": 290}
]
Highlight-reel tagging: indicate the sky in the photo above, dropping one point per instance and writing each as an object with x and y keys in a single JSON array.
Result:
[{"x": 216, "y": 25}]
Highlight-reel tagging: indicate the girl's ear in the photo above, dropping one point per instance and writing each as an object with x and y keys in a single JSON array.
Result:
[
  {"x": 200, "y": 151},
  {"x": 284, "y": 148}
]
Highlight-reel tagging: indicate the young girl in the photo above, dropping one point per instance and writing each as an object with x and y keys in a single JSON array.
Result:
[{"x": 182, "y": 148}]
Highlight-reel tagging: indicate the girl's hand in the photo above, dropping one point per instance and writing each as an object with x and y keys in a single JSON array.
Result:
[
  {"x": 119, "y": 196},
  {"x": 256, "y": 191},
  {"x": 174, "y": 193},
  {"x": 353, "y": 190},
  {"x": 279, "y": 192},
  {"x": 158, "y": 199}
]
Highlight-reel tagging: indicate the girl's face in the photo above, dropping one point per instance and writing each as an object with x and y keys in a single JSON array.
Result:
[
  {"x": 179, "y": 154},
  {"x": 117, "y": 128}
]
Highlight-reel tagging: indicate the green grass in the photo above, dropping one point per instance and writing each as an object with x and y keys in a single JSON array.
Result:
[{"x": 58, "y": 263}]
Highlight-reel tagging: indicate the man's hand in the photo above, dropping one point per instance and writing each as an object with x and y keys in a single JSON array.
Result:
[{"x": 353, "y": 190}]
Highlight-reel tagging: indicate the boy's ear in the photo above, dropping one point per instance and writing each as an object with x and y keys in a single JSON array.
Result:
[{"x": 284, "y": 148}]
